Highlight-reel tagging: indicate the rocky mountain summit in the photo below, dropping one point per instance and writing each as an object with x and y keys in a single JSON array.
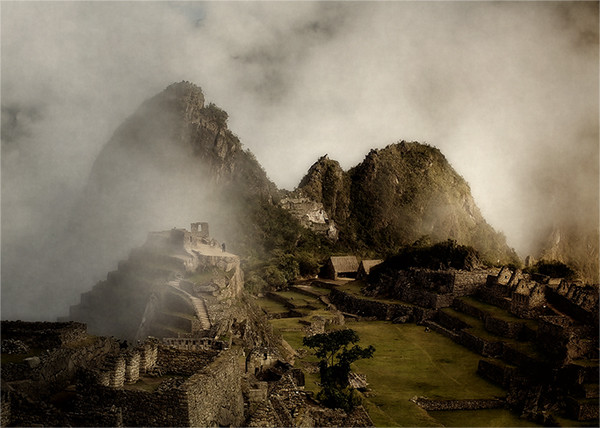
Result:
[{"x": 399, "y": 194}]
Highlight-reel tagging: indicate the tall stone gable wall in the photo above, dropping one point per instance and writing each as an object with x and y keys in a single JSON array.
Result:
[{"x": 214, "y": 395}]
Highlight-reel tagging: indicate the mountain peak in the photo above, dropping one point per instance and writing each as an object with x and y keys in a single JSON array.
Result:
[{"x": 185, "y": 89}]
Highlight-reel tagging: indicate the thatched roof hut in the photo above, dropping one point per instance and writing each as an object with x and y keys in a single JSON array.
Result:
[
  {"x": 341, "y": 267},
  {"x": 365, "y": 267}
]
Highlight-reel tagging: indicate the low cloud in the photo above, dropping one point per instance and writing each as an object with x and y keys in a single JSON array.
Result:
[{"x": 507, "y": 91}]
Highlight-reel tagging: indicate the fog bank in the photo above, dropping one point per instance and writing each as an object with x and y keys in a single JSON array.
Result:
[{"x": 507, "y": 91}]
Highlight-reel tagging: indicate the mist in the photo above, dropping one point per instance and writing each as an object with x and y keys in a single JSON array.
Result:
[{"x": 507, "y": 91}]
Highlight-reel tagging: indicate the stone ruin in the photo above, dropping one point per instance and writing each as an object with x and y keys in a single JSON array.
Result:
[
  {"x": 85, "y": 380},
  {"x": 311, "y": 215},
  {"x": 432, "y": 289},
  {"x": 174, "y": 285},
  {"x": 538, "y": 336},
  {"x": 193, "y": 374}
]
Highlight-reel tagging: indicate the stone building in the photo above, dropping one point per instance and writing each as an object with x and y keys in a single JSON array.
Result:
[
  {"x": 311, "y": 215},
  {"x": 526, "y": 297},
  {"x": 365, "y": 267},
  {"x": 341, "y": 267}
]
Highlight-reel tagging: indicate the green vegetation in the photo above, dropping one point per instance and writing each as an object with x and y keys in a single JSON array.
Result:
[
  {"x": 409, "y": 362},
  {"x": 272, "y": 307},
  {"x": 355, "y": 288},
  {"x": 334, "y": 366},
  {"x": 443, "y": 255},
  {"x": 481, "y": 418},
  {"x": 553, "y": 269},
  {"x": 277, "y": 249}
]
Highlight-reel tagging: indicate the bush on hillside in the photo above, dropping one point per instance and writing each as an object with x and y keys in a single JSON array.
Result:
[
  {"x": 443, "y": 255},
  {"x": 553, "y": 269}
]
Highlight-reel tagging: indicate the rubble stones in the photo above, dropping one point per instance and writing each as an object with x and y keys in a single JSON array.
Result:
[{"x": 14, "y": 346}]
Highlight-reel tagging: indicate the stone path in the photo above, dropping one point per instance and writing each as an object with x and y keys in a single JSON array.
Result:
[{"x": 197, "y": 302}]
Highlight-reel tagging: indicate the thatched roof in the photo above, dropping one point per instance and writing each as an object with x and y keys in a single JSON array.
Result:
[
  {"x": 368, "y": 264},
  {"x": 344, "y": 263}
]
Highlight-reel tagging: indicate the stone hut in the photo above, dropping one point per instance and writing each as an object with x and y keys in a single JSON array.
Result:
[
  {"x": 504, "y": 276},
  {"x": 341, "y": 267},
  {"x": 365, "y": 267},
  {"x": 526, "y": 297},
  {"x": 259, "y": 360}
]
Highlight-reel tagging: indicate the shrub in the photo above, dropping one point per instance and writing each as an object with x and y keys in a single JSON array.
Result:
[
  {"x": 553, "y": 269},
  {"x": 336, "y": 356}
]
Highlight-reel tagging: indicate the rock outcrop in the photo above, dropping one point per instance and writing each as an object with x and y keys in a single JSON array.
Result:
[{"x": 399, "y": 194}]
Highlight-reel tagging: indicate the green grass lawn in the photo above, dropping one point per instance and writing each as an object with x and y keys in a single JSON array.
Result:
[
  {"x": 409, "y": 361},
  {"x": 481, "y": 418},
  {"x": 499, "y": 313},
  {"x": 300, "y": 299},
  {"x": 354, "y": 288},
  {"x": 271, "y": 306}
]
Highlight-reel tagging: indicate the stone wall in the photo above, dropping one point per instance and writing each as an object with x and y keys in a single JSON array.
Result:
[
  {"x": 194, "y": 343},
  {"x": 503, "y": 327},
  {"x": 582, "y": 410},
  {"x": 214, "y": 395},
  {"x": 182, "y": 362},
  {"x": 534, "y": 367},
  {"x": 369, "y": 308},
  {"x": 5, "y": 406},
  {"x": 478, "y": 344},
  {"x": 428, "y": 288},
  {"x": 148, "y": 355},
  {"x": 496, "y": 371},
  {"x": 467, "y": 282},
  {"x": 473, "y": 404},
  {"x": 44, "y": 335},
  {"x": 132, "y": 367},
  {"x": 563, "y": 340},
  {"x": 578, "y": 302},
  {"x": 55, "y": 369}
]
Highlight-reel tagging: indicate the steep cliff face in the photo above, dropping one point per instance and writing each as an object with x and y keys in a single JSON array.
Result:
[
  {"x": 399, "y": 194},
  {"x": 574, "y": 246},
  {"x": 327, "y": 183}
]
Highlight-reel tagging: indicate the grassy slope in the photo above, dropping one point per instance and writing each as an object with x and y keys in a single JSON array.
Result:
[{"x": 408, "y": 362}]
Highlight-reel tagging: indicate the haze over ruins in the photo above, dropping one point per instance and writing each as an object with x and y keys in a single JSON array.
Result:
[{"x": 369, "y": 214}]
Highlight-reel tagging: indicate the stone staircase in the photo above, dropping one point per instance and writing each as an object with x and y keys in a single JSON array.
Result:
[{"x": 198, "y": 303}]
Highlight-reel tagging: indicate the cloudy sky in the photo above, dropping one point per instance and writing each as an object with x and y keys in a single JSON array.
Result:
[{"x": 507, "y": 91}]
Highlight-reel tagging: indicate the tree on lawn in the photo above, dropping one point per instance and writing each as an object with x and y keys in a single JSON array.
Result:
[{"x": 336, "y": 356}]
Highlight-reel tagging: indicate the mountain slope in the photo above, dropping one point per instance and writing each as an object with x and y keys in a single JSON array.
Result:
[
  {"x": 574, "y": 246},
  {"x": 171, "y": 162},
  {"x": 174, "y": 160},
  {"x": 399, "y": 194}
]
